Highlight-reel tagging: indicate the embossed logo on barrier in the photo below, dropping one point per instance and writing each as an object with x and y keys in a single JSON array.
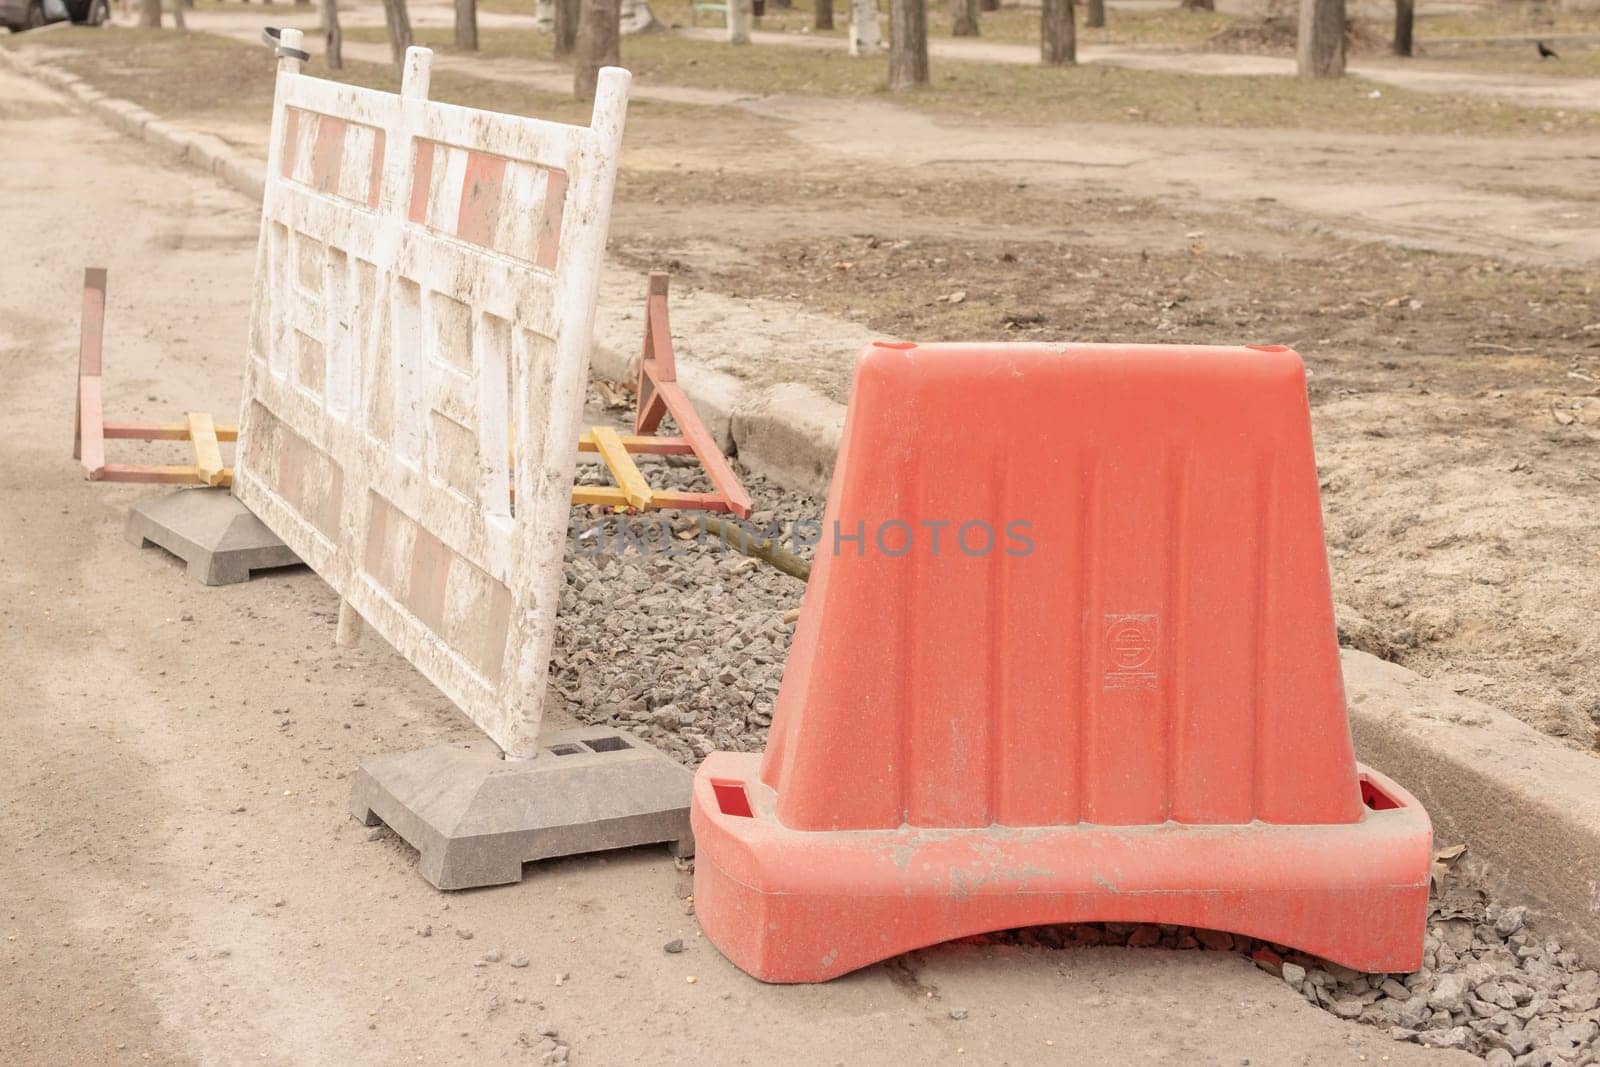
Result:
[{"x": 1131, "y": 644}]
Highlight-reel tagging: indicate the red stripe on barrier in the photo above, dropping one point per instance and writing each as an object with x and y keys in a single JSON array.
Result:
[
  {"x": 327, "y": 154},
  {"x": 481, "y": 190},
  {"x": 421, "y": 180},
  {"x": 555, "y": 203},
  {"x": 375, "y": 179},
  {"x": 291, "y": 141},
  {"x": 430, "y": 575}
]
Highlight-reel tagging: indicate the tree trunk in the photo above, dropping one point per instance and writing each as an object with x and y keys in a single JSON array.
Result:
[
  {"x": 566, "y": 27},
  {"x": 177, "y": 15},
  {"x": 1405, "y": 12},
  {"x": 824, "y": 20},
  {"x": 467, "y": 25},
  {"x": 332, "y": 35},
  {"x": 599, "y": 44},
  {"x": 1094, "y": 16},
  {"x": 1198, "y": 5},
  {"x": 738, "y": 21},
  {"x": 1321, "y": 45},
  {"x": 864, "y": 37},
  {"x": 150, "y": 14},
  {"x": 908, "y": 43},
  {"x": 966, "y": 18},
  {"x": 1058, "y": 34},
  {"x": 398, "y": 20},
  {"x": 989, "y": 5}
]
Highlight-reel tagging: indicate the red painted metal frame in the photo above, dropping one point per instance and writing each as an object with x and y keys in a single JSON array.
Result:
[
  {"x": 660, "y": 395},
  {"x": 91, "y": 431},
  {"x": 88, "y": 416}
]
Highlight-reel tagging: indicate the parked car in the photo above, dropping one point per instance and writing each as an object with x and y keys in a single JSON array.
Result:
[{"x": 19, "y": 15}]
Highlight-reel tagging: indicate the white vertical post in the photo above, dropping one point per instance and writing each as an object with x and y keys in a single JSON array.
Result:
[
  {"x": 418, "y": 73},
  {"x": 738, "y": 21},
  {"x": 290, "y": 38},
  {"x": 543, "y": 501},
  {"x": 864, "y": 37}
]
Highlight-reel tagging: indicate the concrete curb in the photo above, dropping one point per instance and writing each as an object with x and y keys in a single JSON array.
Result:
[
  {"x": 793, "y": 446},
  {"x": 1528, "y": 806}
]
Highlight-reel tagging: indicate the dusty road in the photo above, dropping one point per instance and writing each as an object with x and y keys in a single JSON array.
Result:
[{"x": 181, "y": 882}]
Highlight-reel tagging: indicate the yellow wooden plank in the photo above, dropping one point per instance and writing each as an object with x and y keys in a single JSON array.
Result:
[
  {"x": 161, "y": 431},
  {"x": 604, "y": 495},
  {"x": 207, "y": 456},
  {"x": 609, "y": 444}
]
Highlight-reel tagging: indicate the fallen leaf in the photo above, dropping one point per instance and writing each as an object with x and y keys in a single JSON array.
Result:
[
  {"x": 1444, "y": 861},
  {"x": 614, "y": 395}
]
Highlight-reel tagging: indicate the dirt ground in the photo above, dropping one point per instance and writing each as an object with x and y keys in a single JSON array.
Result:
[
  {"x": 188, "y": 884},
  {"x": 184, "y": 883}
]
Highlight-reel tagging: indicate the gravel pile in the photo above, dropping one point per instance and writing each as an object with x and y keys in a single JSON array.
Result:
[
  {"x": 687, "y": 652},
  {"x": 1488, "y": 985}
]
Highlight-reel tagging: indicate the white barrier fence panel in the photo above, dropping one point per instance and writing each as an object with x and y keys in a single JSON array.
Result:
[{"x": 419, "y": 351}]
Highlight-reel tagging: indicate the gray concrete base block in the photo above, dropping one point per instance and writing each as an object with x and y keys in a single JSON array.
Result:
[
  {"x": 476, "y": 818},
  {"x": 219, "y": 538}
]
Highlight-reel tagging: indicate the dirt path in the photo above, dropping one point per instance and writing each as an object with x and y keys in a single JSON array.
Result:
[
  {"x": 1578, "y": 94},
  {"x": 1528, "y": 200},
  {"x": 184, "y": 883},
  {"x": 1573, "y": 93}
]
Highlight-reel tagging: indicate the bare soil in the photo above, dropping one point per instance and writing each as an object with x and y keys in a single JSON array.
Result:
[{"x": 1456, "y": 400}]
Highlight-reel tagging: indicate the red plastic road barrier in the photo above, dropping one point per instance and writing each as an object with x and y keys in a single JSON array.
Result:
[{"x": 1109, "y": 690}]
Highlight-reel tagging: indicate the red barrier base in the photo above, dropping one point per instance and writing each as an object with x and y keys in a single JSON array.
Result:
[{"x": 800, "y": 906}]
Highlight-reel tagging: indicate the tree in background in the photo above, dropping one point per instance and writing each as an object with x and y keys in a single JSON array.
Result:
[
  {"x": 332, "y": 35},
  {"x": 966, "y": 18},
  {"x": 1320, "y": 52},
  {"x": 739, "y": 15},
  {"x": 1095, "y": 16},
  {"x": 599, "y": 44},
  {"x": 1198, "y": 5},
  {"x": 150, "y": 14},
  {"x": 177, "y": 15},
  {"x": 864, "y": 37},
  {"x": 398, "y": 21},
  {"x": 1058, "y": 34},
  {"x": 989, "y": 5},
  {"x": 1405, "y": 16},
  {"x": 467, "y": 25},
  {"x": 908, "y": 43},
  {"x": 566, "y": 26},
  {"x": 824, "y": 19}
]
